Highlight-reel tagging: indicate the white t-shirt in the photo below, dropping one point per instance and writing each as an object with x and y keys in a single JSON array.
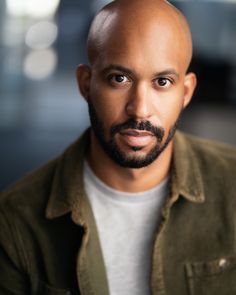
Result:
[{"x": 126, "y": 224}]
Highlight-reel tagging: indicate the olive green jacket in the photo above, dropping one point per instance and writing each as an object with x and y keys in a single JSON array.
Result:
[{"x": 49, "y": 243}]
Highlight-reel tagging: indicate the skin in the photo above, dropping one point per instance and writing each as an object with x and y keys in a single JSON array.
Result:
[{"x": 139, "y": 53}]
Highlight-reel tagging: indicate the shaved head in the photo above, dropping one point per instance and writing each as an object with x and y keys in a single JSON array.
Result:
[
  {"x": 122, "y": 19},
  {"x": 137, "y": 83}
]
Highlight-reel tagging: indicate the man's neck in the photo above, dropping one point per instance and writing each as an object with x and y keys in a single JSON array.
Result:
[{"x": 129, "y": 179}]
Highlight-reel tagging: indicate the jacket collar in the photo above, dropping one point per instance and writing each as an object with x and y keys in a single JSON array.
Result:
[
  {"x": 186, "y": 174},
  {"x": 67, "y": 193}
]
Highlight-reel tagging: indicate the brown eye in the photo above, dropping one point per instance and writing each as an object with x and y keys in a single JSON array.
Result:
[
  {"x": 163, "y": 82},
  {"x": 118, "y": 78}
]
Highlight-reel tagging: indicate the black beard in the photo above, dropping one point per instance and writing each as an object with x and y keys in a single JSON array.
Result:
[{"x": 113, "y": 150}]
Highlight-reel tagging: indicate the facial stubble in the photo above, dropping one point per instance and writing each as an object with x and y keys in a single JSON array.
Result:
[{"x": 113, "y": 150}]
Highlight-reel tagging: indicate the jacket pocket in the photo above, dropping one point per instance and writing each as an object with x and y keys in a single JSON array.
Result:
[
  {"x": 216, "y": 277},
  {"x": 45, "y": 289}
]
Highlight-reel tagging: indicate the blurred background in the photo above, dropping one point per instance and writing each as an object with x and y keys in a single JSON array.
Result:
[{"x": 42, "y": 42}]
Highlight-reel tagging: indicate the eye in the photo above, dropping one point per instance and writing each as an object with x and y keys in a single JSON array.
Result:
[
  {"x": 163, "y": 82},
  {"x": 118, "y": 78}
]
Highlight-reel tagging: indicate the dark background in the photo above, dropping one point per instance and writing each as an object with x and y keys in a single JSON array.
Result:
[{"x": 41, "y": 110}]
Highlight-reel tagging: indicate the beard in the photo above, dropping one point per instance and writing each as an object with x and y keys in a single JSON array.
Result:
[{"x": 120, "y": 157}]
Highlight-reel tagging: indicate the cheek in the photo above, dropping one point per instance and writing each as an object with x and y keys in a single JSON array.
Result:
[
  {"x": 169, "y": 107},
  {"x": 109, "y": 104}
]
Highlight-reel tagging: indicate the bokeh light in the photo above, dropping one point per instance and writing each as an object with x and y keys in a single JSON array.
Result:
[
  {"x": 40, "y": 64},
  {"x": 41, "y": 35},
  {"x": 32, "y": 8}
]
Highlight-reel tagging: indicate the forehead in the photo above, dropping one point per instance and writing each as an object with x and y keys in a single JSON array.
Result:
[{"x": 154, "y": 45}]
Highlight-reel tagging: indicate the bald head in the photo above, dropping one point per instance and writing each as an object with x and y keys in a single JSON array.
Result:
[
  {"x": 121, "y": 20},
  {"x": 139, "y": 53}
]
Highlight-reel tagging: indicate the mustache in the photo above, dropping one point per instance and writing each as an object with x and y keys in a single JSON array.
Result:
[{"x": 158, "y": 132}]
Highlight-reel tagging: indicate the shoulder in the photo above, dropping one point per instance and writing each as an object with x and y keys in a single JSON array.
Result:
[
  {"x": 215, "y": 161},
  {"x": 34, "y": 189},
  {"x": 208, "y": 166},
  {"x": 211, "y": 150},
  {"x": 29, "y": 197},
  {"x": 30, "y": 191}
]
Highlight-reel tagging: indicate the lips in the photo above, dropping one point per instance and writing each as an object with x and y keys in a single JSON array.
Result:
[{"x": 138, "y": 138}]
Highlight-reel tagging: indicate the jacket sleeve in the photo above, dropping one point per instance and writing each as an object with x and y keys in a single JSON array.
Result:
[{"x": 13, "y": 279}]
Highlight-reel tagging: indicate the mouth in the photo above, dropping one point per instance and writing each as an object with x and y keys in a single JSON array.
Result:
[{"x": 137, "y": 138}]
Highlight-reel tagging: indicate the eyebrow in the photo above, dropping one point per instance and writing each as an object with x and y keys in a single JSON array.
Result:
[
  {"x": 168, "y": 72},
  {"x": 130, "y": 72},
  {"x": 118, "y": 68}
]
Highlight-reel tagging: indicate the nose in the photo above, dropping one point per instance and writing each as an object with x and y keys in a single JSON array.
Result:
[{"x": 139, "y": 104}]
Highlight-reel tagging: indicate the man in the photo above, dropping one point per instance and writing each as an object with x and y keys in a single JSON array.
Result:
[{"x": 132, "y": 207}]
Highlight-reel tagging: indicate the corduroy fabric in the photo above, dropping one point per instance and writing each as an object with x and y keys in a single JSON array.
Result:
[{"x": 49, "y": 242}]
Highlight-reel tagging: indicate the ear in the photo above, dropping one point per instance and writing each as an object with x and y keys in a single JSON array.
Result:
[
  {"x": 190, "y": 83},
  {"x": 83, "y": 75}
]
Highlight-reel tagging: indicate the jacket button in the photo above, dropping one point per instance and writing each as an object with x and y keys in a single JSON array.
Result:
[{"x": 223, "y": 263}]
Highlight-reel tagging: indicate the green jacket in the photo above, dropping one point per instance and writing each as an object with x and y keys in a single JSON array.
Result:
[{"x": 49, "y": 243}]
